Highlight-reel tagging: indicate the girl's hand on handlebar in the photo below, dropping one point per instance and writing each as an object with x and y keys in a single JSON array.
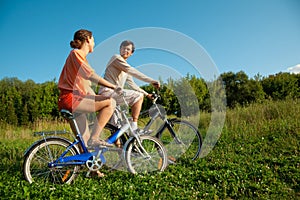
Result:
[{"x": 150, "y": 96}]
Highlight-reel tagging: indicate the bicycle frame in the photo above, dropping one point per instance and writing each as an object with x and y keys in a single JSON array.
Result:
[
  {"x": 81, "y": 159},
  {"x": 124, "y": 120},
  {"x": 167, "y": 122},
  {"x": 69, "y": 160},
  {"x": 78, "y": 159}
]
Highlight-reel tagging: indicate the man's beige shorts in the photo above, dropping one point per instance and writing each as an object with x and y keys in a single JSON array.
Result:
[{"x": 131, "y": 96}]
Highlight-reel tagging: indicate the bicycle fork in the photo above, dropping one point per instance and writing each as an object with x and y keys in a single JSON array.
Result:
[
  {"x": 168, "y": 125},
  {"x": 140, "y": 149}
]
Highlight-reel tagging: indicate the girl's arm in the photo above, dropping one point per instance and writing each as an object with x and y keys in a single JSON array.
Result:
[{"x": 101, "y": 81}]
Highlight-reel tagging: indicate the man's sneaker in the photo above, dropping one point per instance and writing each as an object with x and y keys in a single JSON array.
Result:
[{"x": 97, "y": 143}]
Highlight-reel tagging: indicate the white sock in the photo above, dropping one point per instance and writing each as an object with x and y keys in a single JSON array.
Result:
[{"x": 134, "y": 125}]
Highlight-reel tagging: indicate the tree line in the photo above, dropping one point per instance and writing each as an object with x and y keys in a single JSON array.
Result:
[{"x": 23, "y": 103}]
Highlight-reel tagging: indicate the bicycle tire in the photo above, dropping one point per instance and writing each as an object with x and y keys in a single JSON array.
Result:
[
  {"x": 137, "y": 164},
  {"x": 189, "y": 136},
  {"x": 35, "y": 166}
]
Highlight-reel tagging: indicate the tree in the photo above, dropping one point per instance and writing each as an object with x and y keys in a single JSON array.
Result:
[
  {"x": 282, "y": 86},
  {"x": 201, "y": 90},
  {"x": 240, "y": 89},
  {"x": 49, "y": 99}
]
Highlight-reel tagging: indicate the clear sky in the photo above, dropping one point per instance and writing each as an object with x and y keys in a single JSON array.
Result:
[{"x": 256, "y": 36}]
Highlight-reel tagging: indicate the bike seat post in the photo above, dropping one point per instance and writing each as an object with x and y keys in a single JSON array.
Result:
[
  {"x": 71, "y": 119},
  {"x": 74, "y": 126},
  {"x": 73, "y": 123}
]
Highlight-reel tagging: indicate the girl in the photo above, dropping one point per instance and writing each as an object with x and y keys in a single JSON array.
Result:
[{"x": 76, "y": 94}]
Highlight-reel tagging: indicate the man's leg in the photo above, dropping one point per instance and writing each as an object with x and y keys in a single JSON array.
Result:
[{"x": 135, "y": 112}]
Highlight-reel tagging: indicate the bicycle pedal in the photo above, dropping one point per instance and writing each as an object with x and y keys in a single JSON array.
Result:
[
  {"x": 100, "y": 147},
  {"x": 95, "y": 174},
  {"x": 171, "y": 160}
]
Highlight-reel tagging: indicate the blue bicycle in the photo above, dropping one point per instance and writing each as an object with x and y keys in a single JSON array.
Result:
[{"x": 58, "y": 160}]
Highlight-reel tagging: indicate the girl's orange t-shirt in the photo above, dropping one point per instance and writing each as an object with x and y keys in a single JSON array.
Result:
[
  {"x": 75, "y": 74},
  {"x": 73, "y": 82}
]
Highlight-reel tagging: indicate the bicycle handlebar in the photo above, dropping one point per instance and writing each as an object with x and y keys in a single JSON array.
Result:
[{"x": 155, "y": 96}]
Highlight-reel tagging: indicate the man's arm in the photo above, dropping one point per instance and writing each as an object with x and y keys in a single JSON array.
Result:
[
  {"x": 134, "y": 86},
  {"x": 124, "y": 66}
]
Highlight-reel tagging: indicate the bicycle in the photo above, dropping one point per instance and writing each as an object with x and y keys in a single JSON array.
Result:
[
  {"x": 180, "y": 138},
  {"x": 58, "y": 160}
]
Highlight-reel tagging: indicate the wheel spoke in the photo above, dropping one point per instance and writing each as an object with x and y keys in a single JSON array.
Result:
[
  {"x": 36, "y": 162},
  {"x": 139, "y": 163}
]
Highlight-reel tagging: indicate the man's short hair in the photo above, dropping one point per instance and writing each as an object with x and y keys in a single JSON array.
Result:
[{"x": 126, "y": 43}]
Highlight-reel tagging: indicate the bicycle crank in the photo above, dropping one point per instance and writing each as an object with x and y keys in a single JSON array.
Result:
[{"x": 94, "y": 164}]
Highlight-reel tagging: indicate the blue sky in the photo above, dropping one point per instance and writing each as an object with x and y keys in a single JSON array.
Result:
[{"x": 256, "y": 36}]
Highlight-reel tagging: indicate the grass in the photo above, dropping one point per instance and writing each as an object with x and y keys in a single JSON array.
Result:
[{"x": 256, "y": 157}]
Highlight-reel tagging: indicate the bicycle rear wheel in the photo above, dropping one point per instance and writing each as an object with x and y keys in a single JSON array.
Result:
[
  {"x": 186, "y": 143},
  {"x": 150, "y": 157},
  {"x": 35, "y": 166}
]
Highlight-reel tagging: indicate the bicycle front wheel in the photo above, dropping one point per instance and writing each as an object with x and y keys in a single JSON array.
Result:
[
  {"x": 146, "y": 157},
  {"x": 35, "y": 166},
  {"x": 181, "y": 139}
]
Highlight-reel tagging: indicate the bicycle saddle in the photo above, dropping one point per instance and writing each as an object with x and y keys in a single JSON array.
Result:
[{"x": 66, "y": 114}]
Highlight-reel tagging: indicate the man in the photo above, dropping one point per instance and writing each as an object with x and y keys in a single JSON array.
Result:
[{"x": 119, "y": 72}]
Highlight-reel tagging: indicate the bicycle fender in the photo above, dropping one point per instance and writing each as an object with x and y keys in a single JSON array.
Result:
[
  {"x": 42, "y": 140},
  {"x": 126, "y": 145},
  {"x": 173, "y": 119}
]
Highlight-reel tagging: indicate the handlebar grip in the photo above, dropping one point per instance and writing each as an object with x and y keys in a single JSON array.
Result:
[{"x": 154, "y": 95}]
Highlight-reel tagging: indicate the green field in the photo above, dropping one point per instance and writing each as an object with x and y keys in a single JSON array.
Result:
[{"x": 256, "y": 157}]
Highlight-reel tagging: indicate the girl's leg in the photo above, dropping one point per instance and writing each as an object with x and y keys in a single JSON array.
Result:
[
  {"x": 105, "y": 110},
  {"x": 102, "y": 118}
]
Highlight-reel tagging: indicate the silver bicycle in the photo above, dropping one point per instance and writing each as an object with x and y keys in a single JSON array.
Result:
[{"x": 181, "y": 138}]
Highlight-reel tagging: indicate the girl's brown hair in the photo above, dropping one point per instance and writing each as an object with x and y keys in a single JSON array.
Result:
[{"x": 80, "y": 37}]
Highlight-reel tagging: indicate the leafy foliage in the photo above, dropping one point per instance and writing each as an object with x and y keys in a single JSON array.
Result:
[
  {"x": 240, "y": 90},
  {"x": 25, "y": 102},
  {"x": 256, "y": 157},
  {"x": 282, "y": 86}
]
